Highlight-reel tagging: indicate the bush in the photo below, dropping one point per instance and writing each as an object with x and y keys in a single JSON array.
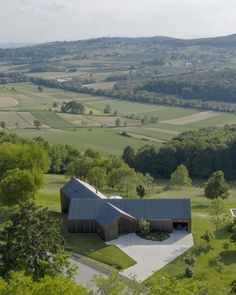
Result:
[
  {"x": 144, "y": 227},
  {"x": 188, "y": 272}
]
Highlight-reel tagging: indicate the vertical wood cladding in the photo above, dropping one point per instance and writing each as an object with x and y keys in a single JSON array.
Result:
[
  {"x": 127, "y": 226},
  {"x": 65, "y": 203},
  {"x": 82, "y": 226}
]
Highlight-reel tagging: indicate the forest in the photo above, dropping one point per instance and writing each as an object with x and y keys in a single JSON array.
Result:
[
  {"x": 211, "y": 85},
  {"x": 202, "y": 152}
]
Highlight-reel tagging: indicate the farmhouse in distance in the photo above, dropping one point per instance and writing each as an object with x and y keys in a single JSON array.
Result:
[{"x": 89, "y": 211}]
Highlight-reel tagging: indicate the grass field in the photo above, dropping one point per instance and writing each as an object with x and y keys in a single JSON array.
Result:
[
  {"x": 202, "y": 269},
  {"x": 104, "y": 140}
]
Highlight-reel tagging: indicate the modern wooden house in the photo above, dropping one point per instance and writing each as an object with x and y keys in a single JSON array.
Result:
[{"x": 89, "y": 211}]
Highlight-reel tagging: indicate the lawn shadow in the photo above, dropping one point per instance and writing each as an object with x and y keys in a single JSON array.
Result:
[
  {"x": 81, "y": 243},
  {"x": 228, "y": 256},
  {"x": 200, "y": 206}
]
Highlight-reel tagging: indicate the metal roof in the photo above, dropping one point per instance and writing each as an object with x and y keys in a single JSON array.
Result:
[
  {"x": 233, "y": 212},
  {"x": 111, "y": 214},
  {"x": 77, "y": 188},
  {"x": 135, "y": 208},
  {"x": 87, "y": 209},
  {"x": 155, "y": 208}
]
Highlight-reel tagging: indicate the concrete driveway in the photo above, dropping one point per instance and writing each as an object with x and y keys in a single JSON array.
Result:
[
  {"x": 152, "y": 255},
  {"x": 86, "y": 273}
]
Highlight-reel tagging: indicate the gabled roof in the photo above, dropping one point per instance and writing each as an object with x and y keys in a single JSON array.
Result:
[
  {"x": 100, "y": 210},
  {"x": 87, "y": 209},
  {"x": 111, "y": 214},
  {"x": 79, "y": 189},
  {"x": 155, "y": 208}
]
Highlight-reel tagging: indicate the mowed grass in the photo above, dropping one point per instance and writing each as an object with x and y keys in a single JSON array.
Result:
[
  {"x": 92, "y": 246},
  {"x": 105, "y": 140},
  {"x": 202, "y": 269}
]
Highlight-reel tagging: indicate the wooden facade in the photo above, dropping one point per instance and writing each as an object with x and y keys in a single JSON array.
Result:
[{"x": 65, "y": 203}]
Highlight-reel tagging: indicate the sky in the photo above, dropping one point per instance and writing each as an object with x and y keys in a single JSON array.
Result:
[{"x": 50, "y": 20}]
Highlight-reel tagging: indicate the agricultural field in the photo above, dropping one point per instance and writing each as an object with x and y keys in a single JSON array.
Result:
[{"x": 22, "y": 103}]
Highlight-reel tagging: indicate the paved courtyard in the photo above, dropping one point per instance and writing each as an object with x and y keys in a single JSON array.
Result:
[{"x": 152, "y": 255}]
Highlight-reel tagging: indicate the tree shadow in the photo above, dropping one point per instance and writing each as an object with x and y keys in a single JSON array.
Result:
[
  {"x": 228, "y": 256},
  {"x": 221, "y": 234},
  {"x": 201, "y": 249}
]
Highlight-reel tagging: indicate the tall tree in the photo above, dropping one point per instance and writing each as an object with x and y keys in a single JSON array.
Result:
[
  {"x": 19, "y": 185},
  {"x": 19, "y": 283},
  {"x": 31, "y": 242},
  {"x": 128, "y": 156},
  {"x": 217, "y": 212},
  {"x": 216, "y": 187},
  {"x": 97, "y": 176},
  {"x": 180, "y": 177},
  {"x": 141, "y": 191}
]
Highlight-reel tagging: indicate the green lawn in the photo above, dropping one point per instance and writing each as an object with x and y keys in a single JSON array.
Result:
[
  {"x": 202, "y": 269},
  {"x": 94, "y": 247}
]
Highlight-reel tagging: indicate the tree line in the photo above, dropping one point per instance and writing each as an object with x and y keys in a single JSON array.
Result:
[
  {"x": 140, "y": 94},
  {"x": 202, "y": 152},
  {"x": 211, "y": 85}
]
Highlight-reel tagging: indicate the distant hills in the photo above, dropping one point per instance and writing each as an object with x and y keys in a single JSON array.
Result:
[
  {"x": 7, "y": 45},
  {"x": 224, "y": 41}
]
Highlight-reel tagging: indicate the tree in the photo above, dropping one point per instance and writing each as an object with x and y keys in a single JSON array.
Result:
[
  {"x": 40, "y": 89},
  {"x": 190, "y": 259},
  {"x": 188, "y": 272},
  {"x": 19, "y": 185},
  {"x": 233, "y": 287},
  {"x": 217, "y": 212},
  {"x": 180, "y": 177},
  {"x": 3, "y": 124},
  {"x": 97, "y": 176},
  {"x": 115, "y": 113},
  {"x": 72, "y": 107},
  {"x": 23, "y": 156},
  {"x": 217, "y": 263},
  {"x": 116, "y": 285},
  {"x": 129, "y": 156},
  {"x": 19, "y": 283},
  {"x": 37, "y": 124},
  {"x": 80, "y": 167},
  {"x": 117, "y": 122},
  {"x": 233, "y": 234},
  {"x": 207, "y": 237},
  {"x": 216, "y": 187},
  {"x": 141, "y": 191},
  {"x": 107, "y": 109},
  {"x": 31, "y": 241},
  {"x": 144, "y": 227}
]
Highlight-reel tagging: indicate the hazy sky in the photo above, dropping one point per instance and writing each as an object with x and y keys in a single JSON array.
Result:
[{"x": 49, "y": 20}]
